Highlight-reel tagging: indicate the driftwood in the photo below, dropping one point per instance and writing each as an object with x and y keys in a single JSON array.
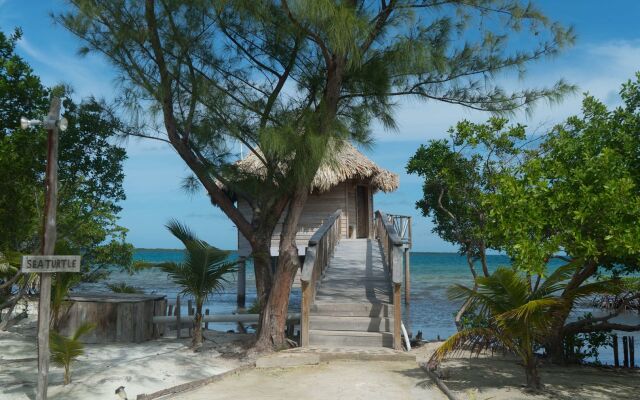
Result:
[
  {"x": 443, "y": 388},
  {"x": 192, "y": 385}
]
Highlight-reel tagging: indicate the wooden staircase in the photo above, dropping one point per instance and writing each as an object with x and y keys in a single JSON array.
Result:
[
  {"x": 353, "y": 301},
  {"x": 351, "y": 288}
]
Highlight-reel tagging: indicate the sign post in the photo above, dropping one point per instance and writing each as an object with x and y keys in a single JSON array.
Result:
[{"x": 47, "y": 248}]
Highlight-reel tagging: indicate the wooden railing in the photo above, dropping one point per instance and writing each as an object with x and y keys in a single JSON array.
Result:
[
  {"x": 318, "y": 254},
  {"x": 393, "y": 249},
  {"x": 402, "y": 226}
]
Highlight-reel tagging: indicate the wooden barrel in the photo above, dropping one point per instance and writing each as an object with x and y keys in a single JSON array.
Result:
[{"x": 118, "y": 317}]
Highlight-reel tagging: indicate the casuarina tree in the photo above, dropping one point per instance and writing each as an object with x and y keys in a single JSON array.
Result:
[{"x": 289, "y": 79}]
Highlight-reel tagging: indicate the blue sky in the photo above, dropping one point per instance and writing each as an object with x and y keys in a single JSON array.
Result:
[{"x": 606, "y": 54}]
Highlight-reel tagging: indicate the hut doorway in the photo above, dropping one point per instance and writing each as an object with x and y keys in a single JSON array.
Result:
[{"x": 362, "y": 211}]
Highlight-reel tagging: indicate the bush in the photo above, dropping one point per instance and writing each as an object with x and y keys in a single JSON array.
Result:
[
  {"x": 123, "y": 288},
  {"x": 582, "y": 346}
]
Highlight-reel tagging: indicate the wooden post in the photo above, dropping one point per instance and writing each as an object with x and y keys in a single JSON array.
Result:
[
  {"x": 190, "y": 312},
  {"x": 206, "y": 324},
  {"x": 616, "y": 359},
  {"x": 407, "y": 276},
  {"x": 397, "y": 318},
  {"x": 47, "y": 247},
  {"x": 304, "y": 314},
  {"x": 625, "y": 349},
  {"x": 632, "y": 351},
  {"x": 242, "y": 282},
  {"x": 178, "y": 325}
]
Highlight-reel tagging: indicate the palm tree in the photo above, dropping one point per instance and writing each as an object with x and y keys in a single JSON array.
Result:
[
  {"x": 65, "y": 350},
  {"x": 201, "y": 274},
  {"x": 519, "y": 314}
]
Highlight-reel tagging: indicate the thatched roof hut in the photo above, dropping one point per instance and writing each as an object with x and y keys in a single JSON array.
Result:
[
  {"x": 343, "y": 163},
  {"x": 346, "y": 180}
]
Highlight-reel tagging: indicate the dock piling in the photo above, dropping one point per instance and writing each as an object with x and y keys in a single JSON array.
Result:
[
  {"x": 616, "y": 359},
  {"x": 625, "y": 349},
  {"x": 178, "y": 325}
]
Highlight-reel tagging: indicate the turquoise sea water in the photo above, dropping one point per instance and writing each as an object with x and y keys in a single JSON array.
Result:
[{"x": 430, "y": 310}]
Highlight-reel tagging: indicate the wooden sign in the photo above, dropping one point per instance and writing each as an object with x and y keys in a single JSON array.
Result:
[{"x": 49, "y": 264}]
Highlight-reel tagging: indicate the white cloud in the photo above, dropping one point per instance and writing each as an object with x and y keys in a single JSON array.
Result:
[
  {"x": 598, "y": 69},
  {"x": 88, "y": 76}
]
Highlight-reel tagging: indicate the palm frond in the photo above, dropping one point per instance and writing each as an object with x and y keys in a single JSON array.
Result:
[
  {"x": 533, "y": 313},
  {"x": 181, "y": 232},
  {"x": 83, "y": 330},
  {"x": 66, "y": 349},
  {"x": 473, "y": 339},
  {"x": 611, "y": 287},
  {"x": 555, "y": 281},
  {"x": 205, "y": 268}
]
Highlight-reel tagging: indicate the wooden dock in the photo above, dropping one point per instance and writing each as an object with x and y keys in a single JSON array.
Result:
[
  {"x": 353, "y": 304},
  {"x": 351, "y": 288}
]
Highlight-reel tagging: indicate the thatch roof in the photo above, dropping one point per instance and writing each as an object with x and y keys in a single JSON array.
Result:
[{"x": 346, "y": 162}]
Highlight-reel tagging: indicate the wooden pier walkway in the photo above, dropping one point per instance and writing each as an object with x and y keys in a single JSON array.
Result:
[
  {"x": 351, "y": 289},
  {"x": 353, "y": 300}
]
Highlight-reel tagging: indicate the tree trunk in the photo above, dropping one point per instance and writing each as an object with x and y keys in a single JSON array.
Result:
[
  {"x": 531, "y": 371},
  {"x": 271, "y": 335},
  {"x": 196, "y": 341},
  {"x": 261, "y": 253},
  {"x": 554, "y": 345},
  {"x": 483, "y": 259},
  {"x": 467, "y": 303}
]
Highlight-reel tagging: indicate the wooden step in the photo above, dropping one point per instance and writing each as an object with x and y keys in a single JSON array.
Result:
[
  {"x": 363, "y": 324},
  {"x": 379, "y": 310},
  {"x": 349, "y": 338}
]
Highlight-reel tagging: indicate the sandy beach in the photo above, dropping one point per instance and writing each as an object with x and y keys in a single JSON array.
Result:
[
  {"x": 164, "y": 363},
  {"x": 139, "y": 367}
]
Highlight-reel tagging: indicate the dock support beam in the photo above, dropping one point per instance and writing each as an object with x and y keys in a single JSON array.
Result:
[
  {"x": 242, "y": 282},
  {"x": 397, "y": 318},
  {"x": 407, "y": 276}
]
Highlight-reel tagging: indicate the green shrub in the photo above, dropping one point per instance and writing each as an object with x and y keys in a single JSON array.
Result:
[{"x": 123, "y": 288}]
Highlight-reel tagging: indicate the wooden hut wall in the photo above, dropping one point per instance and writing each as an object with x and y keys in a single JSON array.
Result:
[{"x": 316, "y": 210}]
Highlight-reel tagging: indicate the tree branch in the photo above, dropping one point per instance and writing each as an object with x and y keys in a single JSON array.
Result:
[{"x": 314, "y": 36}]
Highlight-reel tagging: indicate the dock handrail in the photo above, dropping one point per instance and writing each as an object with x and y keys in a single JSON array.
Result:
[
  {"x": 393, "y": 249},
  {"x": 318, "y": 254},
  {"x": 402, "y": 225}
]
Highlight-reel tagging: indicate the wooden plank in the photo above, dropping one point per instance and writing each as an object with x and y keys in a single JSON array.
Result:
[
  {"x": 190, "y": 313},
  {"x": 305, "y": 310},
  {"x": 397, "y": 318},
  {"x": 616, "y": 359},
  {"x": 242, "y": 283},
  {"x": 407, "y": 276},
  {"x": 625, "y": 349},
  {"x": 125, "y": 323},
  {"x": 139, "y": 322},
  {"x": 178, "y": 322}
]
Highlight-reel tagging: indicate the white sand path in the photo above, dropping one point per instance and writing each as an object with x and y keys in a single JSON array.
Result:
[{"x": 353, "y": 380}]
